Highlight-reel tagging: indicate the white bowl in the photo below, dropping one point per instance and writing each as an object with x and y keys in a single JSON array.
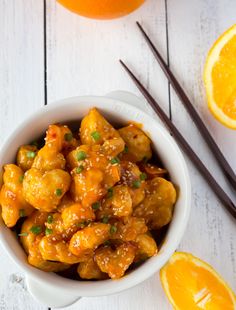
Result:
[{"x": 58, "y": 291}]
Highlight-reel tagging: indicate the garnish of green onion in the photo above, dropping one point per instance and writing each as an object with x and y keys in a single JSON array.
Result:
[
  {"x": 95, "y": 135},
  {"x": 58, "y": 192},
  {"x": 50, "y": 219},
  {"x": 48, "y": 231},
  {"x": 79, "y": 169},
  {"x": 110, "y": 192},
  {"x": 126, "y": 149},
  {"x": 35, "y": 143},
  {"x": 115, "y": 160},
  {"x": 81, "y": 155},
  {"x": 143, "y": 176},
  {"x": 36, "y": 229},
  {"x": 107, "y": 243},
  {"x": 24, "y": 234},
  {"x": 81, "y": 224},
  {"x": 21, "y": 178},
  {"x": 22, "y": 212},
  {"x": 136, "y": 184},
  {"x": 105, "y": 219},
  {"x": 68, "y": 136},
  {"x": 30, "y": 154},
  {"x": 145, "y": 159},
  {"x": 113, "y": 229},
  {"x": 96, "y": 205}
]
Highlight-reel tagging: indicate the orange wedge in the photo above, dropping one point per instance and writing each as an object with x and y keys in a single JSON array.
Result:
[
  {"x": 190, "y": 284},
  {"x": 220, "y": 78}
]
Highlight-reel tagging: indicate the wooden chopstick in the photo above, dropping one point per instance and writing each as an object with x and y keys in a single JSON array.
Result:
[
  {"x": 227, "y": 170},
  {"x": 223, "y": 197}
]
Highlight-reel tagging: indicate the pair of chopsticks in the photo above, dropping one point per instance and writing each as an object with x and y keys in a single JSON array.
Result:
[{"x": 227, "y": 170}]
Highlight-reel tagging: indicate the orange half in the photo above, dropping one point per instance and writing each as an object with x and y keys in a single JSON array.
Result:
[
  {"x": 102, "y": 9},
  {"x": 220, "y": 78},
  {"x": 190, "y": 283}
]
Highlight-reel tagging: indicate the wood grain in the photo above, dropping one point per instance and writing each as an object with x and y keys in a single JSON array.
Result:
[
  {"x": 146, "y": 296},
  {"x": 83, "y": 54},
  {"x": 21, "y": 92},
  {"x": 193, "y": 27},
  {"x": 82, "y": 59}
]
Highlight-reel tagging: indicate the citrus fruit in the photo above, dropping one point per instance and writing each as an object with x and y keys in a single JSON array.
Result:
[
  {"x": 190, "y": 283},
  {"x": 220, "y": 78},
  {"x": 102, "y": 9}
]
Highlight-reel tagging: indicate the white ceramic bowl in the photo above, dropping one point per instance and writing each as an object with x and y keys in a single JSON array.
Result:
[{"x": 51, "y": 288}]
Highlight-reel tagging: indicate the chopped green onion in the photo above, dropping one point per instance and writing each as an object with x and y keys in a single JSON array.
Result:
[
  {"x": 81, "y": 224},
  {"x": 105, "y": 219},
  {"x": 48, "y": 231},
  {"x": 58, "y": 191},
  {"x": 68, "y": 136},
  {"x": 30, "y": 154},
  {"x": 79, "y": 169},
  {"x": 114, "y": 161},
  {"x": 143, "y": 176},
  {"x": 36, "y": 229},
  {"x": 21, "y": 178},
  {"x": 110, "y": 192},
  {"x": 145, "y": 159},
  {"x": 107, "y": 243},
  {"x": 22, "y": 212},
  {"x": 50, "y": 219},
  {"x": 96, "y": 205},
  {"x": 126, "y": 149},
  {"x": 81, "y": 155},
  {"x": 113, "y": 229},
  {"x": 35, "y": 143},
  {"x": 95, "y": 135},
  {"x": 88, "y": 222},
  {"x": 136, "y": 184},
  {"x": 23, "y": 234}
]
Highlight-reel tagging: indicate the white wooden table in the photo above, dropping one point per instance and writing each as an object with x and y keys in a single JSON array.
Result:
[{"x": 47, "y": 53}]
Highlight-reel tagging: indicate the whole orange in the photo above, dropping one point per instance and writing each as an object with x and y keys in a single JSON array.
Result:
[{"x": 102, "y": 9}]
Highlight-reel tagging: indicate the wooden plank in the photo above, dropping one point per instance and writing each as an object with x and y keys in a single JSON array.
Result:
[
  {"x": 21, "y": 92},
  {"x": 83, "y": 54},
  {"x": 146, "y": 296},
  {"x": 82, "y": 59},
  {"x": 193, "y": 27}
]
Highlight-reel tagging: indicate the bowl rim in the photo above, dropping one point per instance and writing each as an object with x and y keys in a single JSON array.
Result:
[{"x": 105, "y": 287}]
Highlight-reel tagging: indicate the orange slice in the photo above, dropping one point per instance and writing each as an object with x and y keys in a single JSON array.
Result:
[
  {"x": 220, "y": 78},
  {"x": 190, "y": 283}
]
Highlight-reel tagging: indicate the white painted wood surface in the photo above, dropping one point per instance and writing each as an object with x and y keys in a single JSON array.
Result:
[
  {"x": 21, "y": 92},
  {"x": 82, "y": 59},
  {"x": 193, "y": 27}
]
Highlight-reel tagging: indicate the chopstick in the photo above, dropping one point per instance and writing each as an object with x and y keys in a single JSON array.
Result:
[
  {"x": 227, "y": 170},
  {"x": 222, "y": 196}
]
